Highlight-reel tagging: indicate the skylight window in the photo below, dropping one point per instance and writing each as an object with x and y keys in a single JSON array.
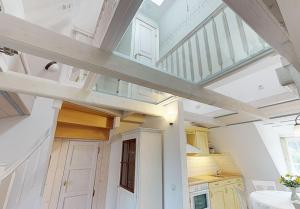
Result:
[{"x": 158, "y": 2}]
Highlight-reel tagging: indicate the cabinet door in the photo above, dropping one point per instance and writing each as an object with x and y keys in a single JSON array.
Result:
[
  {"x": 198, "y": 139},
  {"x": 202, "y": 141},
  {"x": 231, "y": 197},
  {"x": 218, "y": 198}
]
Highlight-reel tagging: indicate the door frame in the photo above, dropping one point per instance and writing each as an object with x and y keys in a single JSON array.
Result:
[
  {"x": 68, "y": 158},
  {"x": 150, "y": 22},
  {"x": 56, "y": 172}
]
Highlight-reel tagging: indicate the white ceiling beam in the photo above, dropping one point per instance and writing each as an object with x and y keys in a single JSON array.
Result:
[
  {"x": 26, "y": 84},
  {"x": 114, "y": 20},
  {"x": 29, "y": 38},
  {"x": 201, "y": 119},
  {"x": 272, "y": 111},
  {"x": 258, "y": 16},
  {"x": 291, "y": 15}
]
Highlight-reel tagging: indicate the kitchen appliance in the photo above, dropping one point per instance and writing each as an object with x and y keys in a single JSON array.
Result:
[{"x": 199, "y": 196}]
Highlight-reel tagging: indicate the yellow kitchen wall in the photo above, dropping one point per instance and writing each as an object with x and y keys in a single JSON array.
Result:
[
  {"x": 204, "y": 165},
  {"x": 208, "y": 165}
]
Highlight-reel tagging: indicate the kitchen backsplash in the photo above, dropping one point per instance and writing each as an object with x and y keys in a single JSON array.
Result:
[
  {"x": 201, "y": 166},
  {"x": 208, "y": 165}
]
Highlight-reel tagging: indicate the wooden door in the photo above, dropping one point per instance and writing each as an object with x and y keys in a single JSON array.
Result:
[
  {"x": 218, "y": 198},
  {"x": 79, "y": 174}
]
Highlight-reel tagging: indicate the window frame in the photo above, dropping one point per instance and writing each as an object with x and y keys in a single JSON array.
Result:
[
  {"x": 125, "y": 161},
  {"x": 287, "y": 155}
]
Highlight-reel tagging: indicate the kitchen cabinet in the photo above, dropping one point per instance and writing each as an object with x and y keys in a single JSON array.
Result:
[
  {"x": 197, "y": 137},
  {"x": 217, "y": 198},
  {"x": 223, "y": 194}
]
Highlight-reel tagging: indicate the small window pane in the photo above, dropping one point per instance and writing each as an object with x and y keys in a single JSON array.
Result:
[
  {"x": 292, "y": 150},
  {"x": 127, "y": 177}
]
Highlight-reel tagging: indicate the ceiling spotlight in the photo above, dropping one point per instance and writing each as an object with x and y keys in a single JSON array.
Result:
[{"x": 52, "y": 66}]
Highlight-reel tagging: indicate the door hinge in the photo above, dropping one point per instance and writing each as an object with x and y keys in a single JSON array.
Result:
[{"x": 93, "y": 192}]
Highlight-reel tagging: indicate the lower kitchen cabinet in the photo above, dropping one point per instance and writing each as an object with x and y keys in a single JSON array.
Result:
[
  {"x": 217, "y": 198},
  {"x": 223, "y": 194}
]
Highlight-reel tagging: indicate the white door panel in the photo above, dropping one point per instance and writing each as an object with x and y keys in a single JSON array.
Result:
[
  {"x": 79, "y": 175},
  {"x": 76, "y": 202},
  {"x": 145, "y": 50},
  {"x": 145, "y": 41}
]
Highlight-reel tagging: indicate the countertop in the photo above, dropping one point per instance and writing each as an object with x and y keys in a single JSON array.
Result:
[{"x": 209, "y": 179}]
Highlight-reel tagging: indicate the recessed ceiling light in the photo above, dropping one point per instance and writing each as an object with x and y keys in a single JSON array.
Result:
[{"x": 158, "y": 2}]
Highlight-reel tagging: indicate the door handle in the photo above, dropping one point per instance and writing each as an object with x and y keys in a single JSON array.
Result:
[{"x": 139, "y": 54}]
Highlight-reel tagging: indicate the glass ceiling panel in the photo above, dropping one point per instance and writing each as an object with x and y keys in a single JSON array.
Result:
[{"x": 194, "y": 40}]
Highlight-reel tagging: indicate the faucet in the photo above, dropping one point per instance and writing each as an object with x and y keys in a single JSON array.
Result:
[{"x": 218, "y": 172}]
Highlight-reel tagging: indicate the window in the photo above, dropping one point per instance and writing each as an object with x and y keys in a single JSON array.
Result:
[
  {"x": 291, "y": 148},
  {"x": 127, "y": 177}
]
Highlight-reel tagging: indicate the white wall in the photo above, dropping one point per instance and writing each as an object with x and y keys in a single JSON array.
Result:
[
  {"x": 86, "y": 15},
  {"x": 14, "y": 7},
  {"x": 124, "y": 47},
  {"x": 20, "y": 134},
  {"x": 18, "y": 137},
  {"x": 246, "y": 146},
  {"x": 114, "y": 173},
  {"x": 174, "y": 161},
  {"x": 174, "y": 158},
  {"x": 271, "y": 138}
]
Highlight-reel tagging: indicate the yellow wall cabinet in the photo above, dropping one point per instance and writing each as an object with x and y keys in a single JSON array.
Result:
[
  {"x": 197, "y": 137},
  {"x": 223, "y": 194}
]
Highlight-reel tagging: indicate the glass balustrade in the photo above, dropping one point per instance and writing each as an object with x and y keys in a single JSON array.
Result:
[{"x": 193, "y": 40}]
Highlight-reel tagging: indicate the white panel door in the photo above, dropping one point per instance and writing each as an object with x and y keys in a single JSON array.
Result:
[
  {"x": 79, "y": 175},
  {"x": 145, "y": 50},
  {"x": 145, "y": 41}
]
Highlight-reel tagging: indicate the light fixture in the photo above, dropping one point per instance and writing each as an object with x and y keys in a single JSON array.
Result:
[
  {"x": 157, "y": 2},
  {"x": 297, "y": 126},
  {"x": 52, "y": 66}
]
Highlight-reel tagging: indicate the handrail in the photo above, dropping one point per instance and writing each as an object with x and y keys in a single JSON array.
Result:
[
  {"x": 191, "y": 33},
  {"x": 15, "y": 165}
]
